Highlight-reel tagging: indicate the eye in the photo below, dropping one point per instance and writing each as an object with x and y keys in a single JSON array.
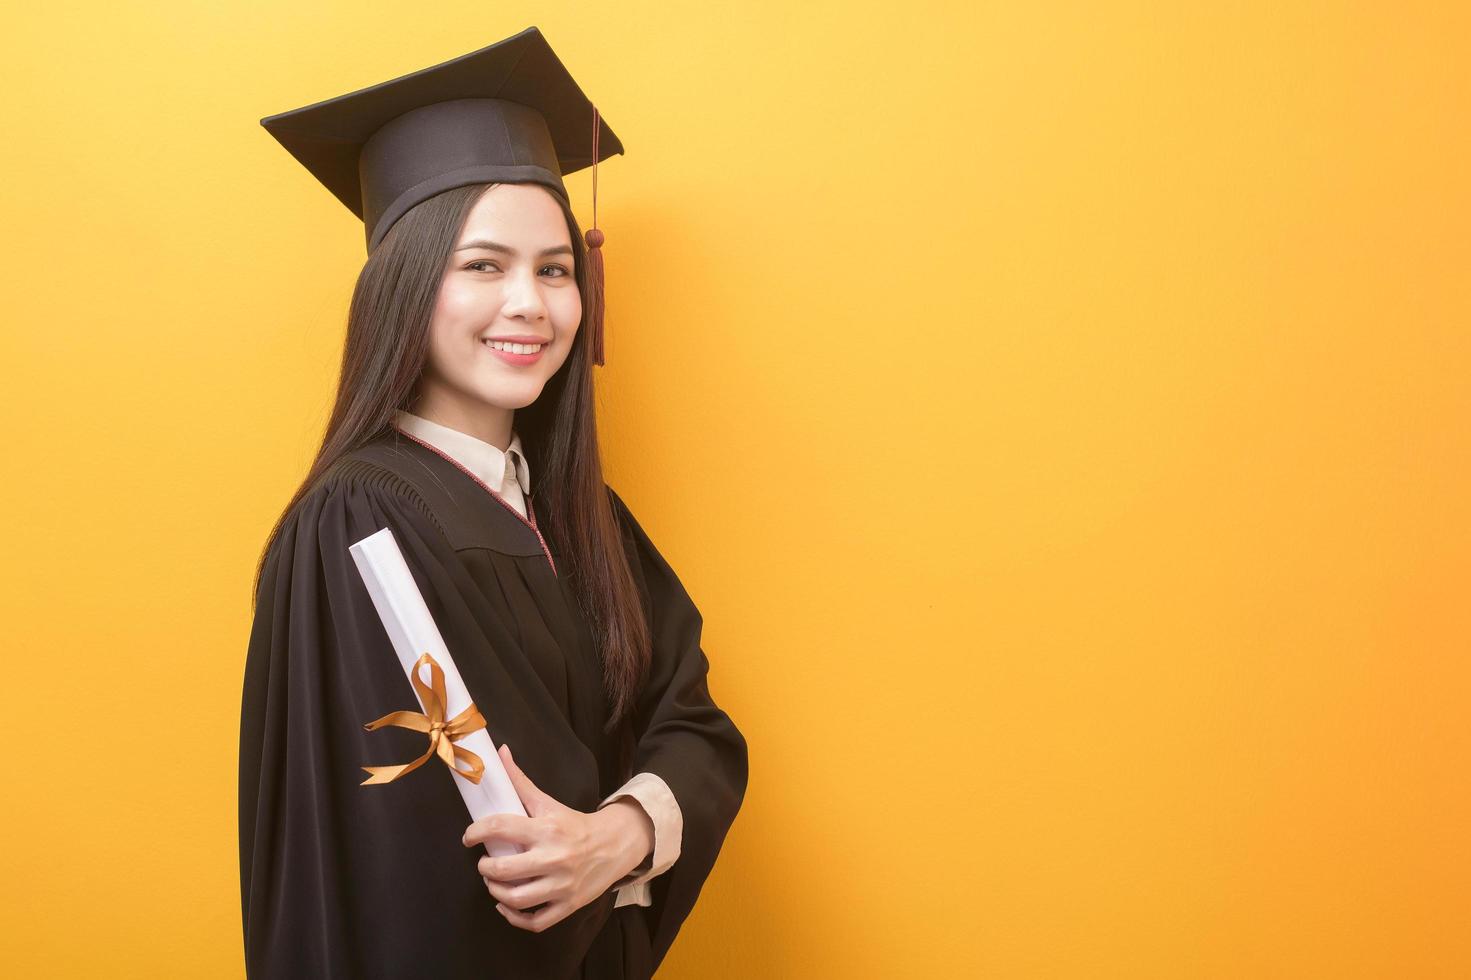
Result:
[{"x": 561, "y": 270}]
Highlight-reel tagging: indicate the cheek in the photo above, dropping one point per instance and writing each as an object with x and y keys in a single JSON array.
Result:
[
  {"x": 454, "y": 318},
  {"x": 568, "y": 311},
  {"x": 458, "y": 304}
]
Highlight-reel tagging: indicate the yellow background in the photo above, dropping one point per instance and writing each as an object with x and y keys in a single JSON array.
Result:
[{"x": 1058, "y": 411}]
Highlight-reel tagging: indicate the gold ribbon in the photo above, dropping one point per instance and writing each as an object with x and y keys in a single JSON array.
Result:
[{"x": 441, "y": 732}]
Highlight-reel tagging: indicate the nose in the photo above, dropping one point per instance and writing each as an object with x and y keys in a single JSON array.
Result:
[{"x": 523, "y": 297}]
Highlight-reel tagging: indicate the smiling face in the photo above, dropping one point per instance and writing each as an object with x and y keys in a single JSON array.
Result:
[{"x": 510, "y": 277}]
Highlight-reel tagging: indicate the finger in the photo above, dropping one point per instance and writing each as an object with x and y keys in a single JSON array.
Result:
[
  {"x": 501, "y": 826},
  {"x": 535, "y": 921},
  {"x": 520, "y": 896},
  {"x": 528, "y": 791},
  {"x": 513, "y": 867}
]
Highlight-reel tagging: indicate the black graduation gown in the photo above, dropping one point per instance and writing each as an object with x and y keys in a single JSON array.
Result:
[{"x": 340, "y": 880}]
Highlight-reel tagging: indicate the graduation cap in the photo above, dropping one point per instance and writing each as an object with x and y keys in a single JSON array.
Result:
[{"x": 508, "y": 112}]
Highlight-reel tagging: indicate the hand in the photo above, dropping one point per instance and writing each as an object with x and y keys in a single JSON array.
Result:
[{"x": 571, "y": 859}]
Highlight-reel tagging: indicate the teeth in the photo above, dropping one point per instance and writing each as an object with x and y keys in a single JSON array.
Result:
[{"x": 514, "y": 348}]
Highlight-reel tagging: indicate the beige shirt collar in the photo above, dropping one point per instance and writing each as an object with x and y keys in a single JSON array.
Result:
[{"x": 478, "y": 456}]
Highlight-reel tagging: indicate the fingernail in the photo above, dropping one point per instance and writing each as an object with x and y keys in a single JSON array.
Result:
[{"x": 499, "y": 909}]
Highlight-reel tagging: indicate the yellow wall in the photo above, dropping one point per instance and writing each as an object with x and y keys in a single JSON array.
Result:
[{"x": 1059, "y": 412}]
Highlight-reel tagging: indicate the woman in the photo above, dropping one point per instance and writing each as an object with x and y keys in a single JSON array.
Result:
[{"x": 464, "y": 422}]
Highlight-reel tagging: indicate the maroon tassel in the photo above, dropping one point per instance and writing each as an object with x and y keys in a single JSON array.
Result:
[{"x": 593, "y": 317}]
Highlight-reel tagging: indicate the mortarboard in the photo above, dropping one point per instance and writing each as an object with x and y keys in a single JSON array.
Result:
[{"x": 507, "y": 112}]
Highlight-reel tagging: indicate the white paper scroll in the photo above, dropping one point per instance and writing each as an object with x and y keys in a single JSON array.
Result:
[{"x": 413, "y": 632}]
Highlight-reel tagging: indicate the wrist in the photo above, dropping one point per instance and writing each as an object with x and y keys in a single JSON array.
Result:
[{"x": 632, "y": 832}]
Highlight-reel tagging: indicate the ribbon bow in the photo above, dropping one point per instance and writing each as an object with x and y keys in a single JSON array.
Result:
[{"x": 441, "y": 732}]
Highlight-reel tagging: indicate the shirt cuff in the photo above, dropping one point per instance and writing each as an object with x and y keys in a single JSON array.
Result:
[
  {"x": 654, "y": 795},
  {"x": 633, "y": 895}
]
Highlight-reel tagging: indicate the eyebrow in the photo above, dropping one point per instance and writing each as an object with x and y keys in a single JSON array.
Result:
[{"x": 498, "y": 247}]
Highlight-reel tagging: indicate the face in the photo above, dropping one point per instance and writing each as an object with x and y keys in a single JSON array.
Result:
[{"x": 510, "y": 278}]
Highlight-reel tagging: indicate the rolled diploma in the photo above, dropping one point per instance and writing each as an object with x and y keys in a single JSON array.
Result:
[{"x": 413, "y": 632}]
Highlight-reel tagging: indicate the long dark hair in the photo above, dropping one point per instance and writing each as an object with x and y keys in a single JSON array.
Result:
[{"x": 383, "y": 357}]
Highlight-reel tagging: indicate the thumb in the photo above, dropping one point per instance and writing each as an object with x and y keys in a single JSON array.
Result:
[{"x": 531, "y": 796}]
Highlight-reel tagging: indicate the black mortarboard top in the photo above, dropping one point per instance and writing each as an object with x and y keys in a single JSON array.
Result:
[{"x": 508, "y": 112}]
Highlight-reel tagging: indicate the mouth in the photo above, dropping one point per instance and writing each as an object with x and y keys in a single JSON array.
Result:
[{"x": 514, "y": 353}]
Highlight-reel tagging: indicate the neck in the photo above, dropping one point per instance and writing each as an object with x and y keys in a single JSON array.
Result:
[{"x": 488, "y": 423}]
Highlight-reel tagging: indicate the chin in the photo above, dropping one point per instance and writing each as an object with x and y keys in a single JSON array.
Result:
[{"x": 519, "y": 397}]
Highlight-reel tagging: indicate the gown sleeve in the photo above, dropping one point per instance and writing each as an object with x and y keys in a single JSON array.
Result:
[
  {"x": 683, "y": 737},
  {"x": 340, "y": 880}
]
